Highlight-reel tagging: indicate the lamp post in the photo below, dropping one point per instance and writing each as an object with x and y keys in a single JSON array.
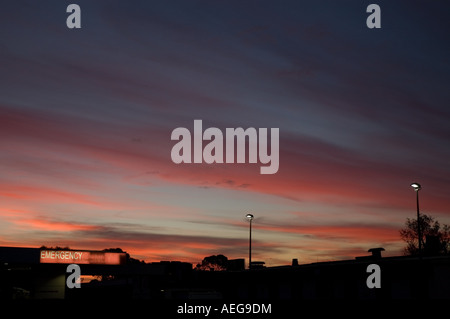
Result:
[
  {"x": 417, "y": 188},
  {"x": 250, "y": 218}
]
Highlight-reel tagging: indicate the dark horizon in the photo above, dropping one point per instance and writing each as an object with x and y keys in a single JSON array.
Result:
[{"x": 371, "y": 278}]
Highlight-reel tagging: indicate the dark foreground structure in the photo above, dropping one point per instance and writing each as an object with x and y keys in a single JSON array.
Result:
[{"x": 32, "y": 273}]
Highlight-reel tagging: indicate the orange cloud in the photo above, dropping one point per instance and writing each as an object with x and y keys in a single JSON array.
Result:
[
  {"x": 44, "y": 194},
  {"x": 54, "y": 226}
]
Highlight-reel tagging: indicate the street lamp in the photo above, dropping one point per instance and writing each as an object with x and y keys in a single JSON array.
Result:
[
  {"x": 250, "y": 218},
  {"x": 417, "y": 188}
]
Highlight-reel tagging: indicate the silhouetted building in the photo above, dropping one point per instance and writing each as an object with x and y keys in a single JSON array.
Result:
[
  {"x": 42, "y": 273},
  {"x": 433, "y": 245},
  {"x": 236, "y": 264},
  {"x": 258, "y": 264},
  {"x": 376, "y": 254},
  {"x": 37, "y": 273}
]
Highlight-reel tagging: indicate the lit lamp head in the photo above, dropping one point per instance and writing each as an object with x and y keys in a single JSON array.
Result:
[
  {"x": 249, "y": 217},
  {"x": 416, "y": 186}
]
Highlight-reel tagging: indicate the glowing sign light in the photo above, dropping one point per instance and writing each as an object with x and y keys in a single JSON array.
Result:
[{"x": 81, "y": 257}]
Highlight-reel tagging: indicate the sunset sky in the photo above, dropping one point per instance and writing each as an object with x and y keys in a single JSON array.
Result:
[{"x": 86, "y": 117}]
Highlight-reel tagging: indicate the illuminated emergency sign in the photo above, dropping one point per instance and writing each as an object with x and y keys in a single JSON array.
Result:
[{"x": 81, "y": 257}]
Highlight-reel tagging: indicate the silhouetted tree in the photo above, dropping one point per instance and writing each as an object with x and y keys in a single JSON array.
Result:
[
  {"x": 437, "y": 238},
  {"x": 213, "y": 263},
  {"x": 130, "y": 260}
]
